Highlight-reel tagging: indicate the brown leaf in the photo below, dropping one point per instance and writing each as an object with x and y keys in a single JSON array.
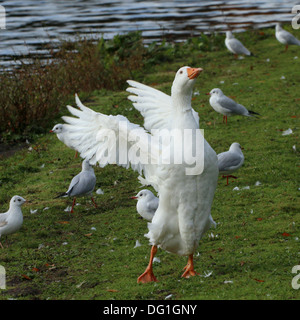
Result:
[
  {"x": 112, "y": 290},
  {"x": 259, "y": 219},
  {"x": 35, "y": 269},
  {"x": 88, "y": 234},
  {"x": 63, "y": 222},
  {"x": 25, "y": 277},
  {"x": 258, "y": 280}
]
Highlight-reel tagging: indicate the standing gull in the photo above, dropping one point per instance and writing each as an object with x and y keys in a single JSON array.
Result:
[
  {"x": 231, "y": 160},
  {"x": 285, "y": 37},
  {"x": 12, "y": 220},
  {"x": 185, "y": 191},
  {"x": 82, "y": 184},
  {"x": 147, "y": 204},
  {"x": 235, "y": 46},
  {"x": 227, "y": 106}
]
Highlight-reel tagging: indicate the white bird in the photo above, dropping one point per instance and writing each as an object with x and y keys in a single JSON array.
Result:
[
  {"x": 235, "y": 46},
  {"x": 82, "y": 184},
  {"x": 147, "y": 204},
  {"x": 12, "y": 220},
  {"x": 62, "y": 134},
  {"x": 231, "y": 160},
  {"x": 227, "y": 106},
  {"x": 285, "y": 37},
  {"x": 185, "y": 193}
]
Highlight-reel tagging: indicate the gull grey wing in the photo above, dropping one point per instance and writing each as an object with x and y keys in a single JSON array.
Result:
[
  {"x": 238, "y": 47},
  {"x": 153, "y": 205},
  {"x": 227, "y": 160},
  {"x": 84, "y": 183},
  {"x": 73, "y": 183},
  {"x": 232, "y": 106},
  {"x": 289, "y": 38}
]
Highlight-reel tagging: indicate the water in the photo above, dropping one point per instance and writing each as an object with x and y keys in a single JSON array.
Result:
[{"x": 31, "y": 25}]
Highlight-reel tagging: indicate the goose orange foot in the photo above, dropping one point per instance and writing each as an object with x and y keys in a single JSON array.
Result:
[
  {"x": 189, "y": 268},
  {"x": 147, "y": 276}
]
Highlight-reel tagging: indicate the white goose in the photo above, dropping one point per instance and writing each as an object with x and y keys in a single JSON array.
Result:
[{"x": 185, "y": 194}]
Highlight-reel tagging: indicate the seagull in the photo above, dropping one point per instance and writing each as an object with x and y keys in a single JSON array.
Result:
[
  {"x": 82, "y": 184},
  {"x": 147, "y": 204},
  {"x": 185, "y": 191},
  {"x": 285, "y": 37},
  {"x": 62, "y": 134},
  {"x": 12, "y": 220},
  {"x": 227, "y": 106},
  {"x": 231, "y": 160},
  {"x": 235, "y": 46}
]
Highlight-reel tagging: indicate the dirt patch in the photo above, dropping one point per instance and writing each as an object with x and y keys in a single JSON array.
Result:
[{"x": 7, "y": 150}]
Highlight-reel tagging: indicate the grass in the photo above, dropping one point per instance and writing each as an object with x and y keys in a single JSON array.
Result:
[{"x": 90, "y": 254}]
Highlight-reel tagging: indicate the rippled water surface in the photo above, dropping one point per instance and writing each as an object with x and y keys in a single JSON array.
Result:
[{"x": 32, "y": 24}]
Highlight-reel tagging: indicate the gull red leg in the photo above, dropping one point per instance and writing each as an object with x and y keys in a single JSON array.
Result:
[
  {"x": 94, "y": 202},
  {"x": 229, "y": 176},
  {"x": 73, "y": 204},
  {"x": 148, "y": 275},
  {"x": 189, "y": 268}
]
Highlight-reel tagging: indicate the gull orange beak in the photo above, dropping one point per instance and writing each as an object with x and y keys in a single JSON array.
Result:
[
  {"x": 208, "y": 93},
  {"x": 194, "y": 72},
  {"x": 133, "y": 197},
  {"x": 51, "y": 131}
]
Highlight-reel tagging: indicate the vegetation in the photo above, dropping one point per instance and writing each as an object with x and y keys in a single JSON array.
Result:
[{"x": 91, "y": 253}]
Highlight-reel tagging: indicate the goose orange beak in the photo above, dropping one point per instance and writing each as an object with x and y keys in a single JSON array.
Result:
[{"x": 194, "y": 72}]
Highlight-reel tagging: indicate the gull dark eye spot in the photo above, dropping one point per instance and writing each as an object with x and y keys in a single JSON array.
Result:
[{"x": 180, "y": 71}]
